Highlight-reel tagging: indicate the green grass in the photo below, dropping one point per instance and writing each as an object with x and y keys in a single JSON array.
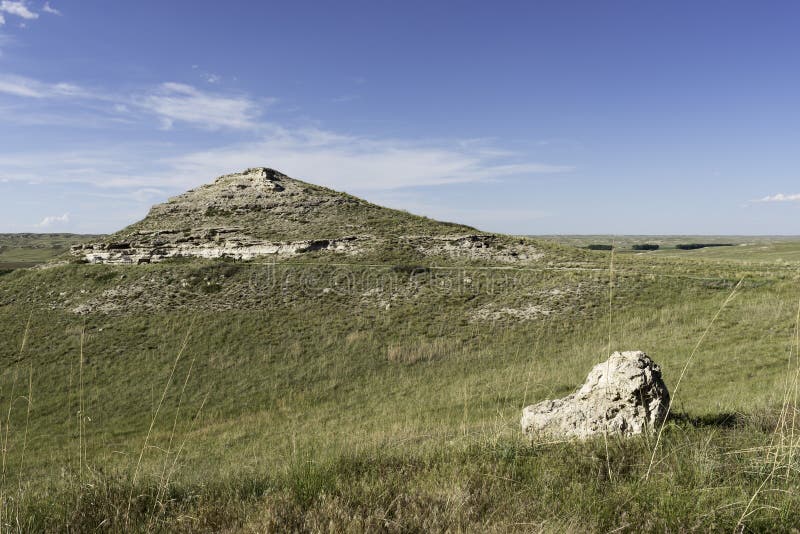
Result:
[
  {"x": 19, "y": 251},
  {"x": 746, "y": 248},
  {"x": 295, "y": 408},
  {"x": 752, "y": 251}
]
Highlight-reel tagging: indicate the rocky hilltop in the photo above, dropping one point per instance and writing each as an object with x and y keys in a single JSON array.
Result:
[
  {"x": 262, "y": 212},
  {"x": 298, "y": 244}
]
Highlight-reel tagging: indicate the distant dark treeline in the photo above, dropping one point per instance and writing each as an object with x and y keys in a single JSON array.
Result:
[
  {"x": 644, "y": 246},
  {"x": 651, "y": 246},
  {"x": 693, "y": 246}
]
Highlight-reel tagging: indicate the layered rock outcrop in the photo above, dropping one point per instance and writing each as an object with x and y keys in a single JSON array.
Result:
[
  {"x": 153, "y": 248},
  {"x": 262, "y": 212}
]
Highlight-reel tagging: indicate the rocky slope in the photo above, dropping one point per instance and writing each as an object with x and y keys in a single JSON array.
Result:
[
  {"x": 297, "y": 244},
  {"x": 262, "y": 212}
]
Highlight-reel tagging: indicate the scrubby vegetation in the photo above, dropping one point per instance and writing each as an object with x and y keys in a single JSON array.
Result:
[
  {"x": 410, "y": 270},
  {"x": 645, "y": 246}
]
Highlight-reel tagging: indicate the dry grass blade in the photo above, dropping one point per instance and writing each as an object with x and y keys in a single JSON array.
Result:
[
  {"x": 153, "y": 420},
  {"x": 80, "y": 403},
  {"x": 175, "y": 459},
  {"x": 8, "y": 420},
  {"x": 683, "y": 373},
  {"x": 608, "y": 349},
  {"x": 790, "y": 397},
  {"x": 27, "y": 419},
  {"x": 164, "y": 481}
]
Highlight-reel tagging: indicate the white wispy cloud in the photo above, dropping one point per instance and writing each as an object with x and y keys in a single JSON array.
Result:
[
  {"x": 53, "y": 220},
  {"x": 177, "y": 102},
  {"x": 144, "y": 195},
  {"x": 133, "y": 177},
  {"x": 324, "y": 156},
  {"x": 106, "y": 166},
  {"x": 351, "y": 162},
  {"x": 18, "y": 8},
  {"x": 780, "y": 197},
  {"x": 47, "y": 8},
  {"x": 343, "y": 162},
  {"x": 138, "y": 175},
  {"x": 22, "y": 86},
  {"x": 169, "y": 102},
  {"x": 19, "y": 86},
  {"x": 209, "y": 77}
]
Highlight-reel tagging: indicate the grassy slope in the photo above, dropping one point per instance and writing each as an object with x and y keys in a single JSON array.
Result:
[
  {"x": 749, "y": 251},
  {"x": 25, "y": 250},
  {"x": 757, "y": 249},
  {"x": 317, "y": 410}
]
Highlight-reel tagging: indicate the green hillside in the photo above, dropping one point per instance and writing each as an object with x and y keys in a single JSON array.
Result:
[
  {"x": 382, "y": 390},
  {"x": 26, "y": 249}
]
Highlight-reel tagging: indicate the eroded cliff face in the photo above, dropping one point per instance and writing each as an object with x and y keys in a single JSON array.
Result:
[
  {"x": 230, "y": 243},
  {"x": 211, "y": 244},
  {"x": 239, "y": 216}
]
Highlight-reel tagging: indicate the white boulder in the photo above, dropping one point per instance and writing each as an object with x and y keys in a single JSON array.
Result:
[{"x": 624, "y": 395}]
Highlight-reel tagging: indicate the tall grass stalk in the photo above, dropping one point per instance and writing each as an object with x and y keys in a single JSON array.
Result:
[
  {"x": 153, "y": 421},
  {"x": 608, "y": 350},
  {"x": 683, "y": 373},
  {"x": 163, "y": 482},
  {"x": 80, "y": 403},
  {"x": 175, "y": 458},
  {"x": 174, "y": 467},
  {"x": 8, "y": 427},
  {"x": 29, "y": 400},
  {"x": 781, "y": 447},
  {"x": 3, "y": 496},
  {"x": 796, "y": 388}
]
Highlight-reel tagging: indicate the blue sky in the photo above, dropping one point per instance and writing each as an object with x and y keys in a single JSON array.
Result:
[{"x": 521, "y": 117}]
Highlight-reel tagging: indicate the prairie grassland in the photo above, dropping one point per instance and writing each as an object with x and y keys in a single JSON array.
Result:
[
  {"x": 394, "y": 410},
  {"x": 745, "y": 249},
  {"x": 36, "y": 248}
]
